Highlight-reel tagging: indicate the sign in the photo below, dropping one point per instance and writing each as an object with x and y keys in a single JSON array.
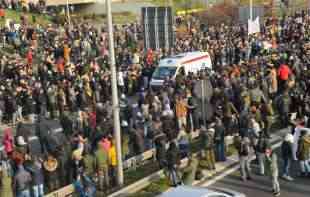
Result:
[
  {"x": 157, "y": 27},
  {"x": 253, "y": 26},
  {"x": 63, "y": 192}
]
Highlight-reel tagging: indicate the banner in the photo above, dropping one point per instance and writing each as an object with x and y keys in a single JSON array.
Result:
[{"x": 253, "y": 26}]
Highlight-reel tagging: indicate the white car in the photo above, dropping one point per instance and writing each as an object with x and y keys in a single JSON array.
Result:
[{"x": 189, "y": 191}]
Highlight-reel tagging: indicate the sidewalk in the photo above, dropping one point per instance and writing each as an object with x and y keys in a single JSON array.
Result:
[{"x": 210, "y": 177}]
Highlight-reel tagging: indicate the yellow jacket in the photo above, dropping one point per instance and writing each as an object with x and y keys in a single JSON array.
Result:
[{"x": 112, "y": 156}]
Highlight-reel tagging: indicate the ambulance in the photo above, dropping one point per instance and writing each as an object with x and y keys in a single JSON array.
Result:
[{"x": 191, "y": 62}]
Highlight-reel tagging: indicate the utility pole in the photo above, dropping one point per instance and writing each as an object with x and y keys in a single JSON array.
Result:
[
  {"x": 117, "y": 128},
  {"x": 68, "y": 12},
  {"x": 251, "y": 10}
]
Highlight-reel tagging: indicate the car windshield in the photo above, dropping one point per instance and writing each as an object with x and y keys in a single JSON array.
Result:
[{"x": 164, "y": 72}]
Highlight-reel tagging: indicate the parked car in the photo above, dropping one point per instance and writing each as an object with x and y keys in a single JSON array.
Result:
[{"x": 186, "y": 191}]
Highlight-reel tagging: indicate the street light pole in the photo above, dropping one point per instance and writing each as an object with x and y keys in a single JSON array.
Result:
[
  {"x": 251, "y": 10},
  {"x": 68, "y": 12},
  {"x": 117, "y": 128}
]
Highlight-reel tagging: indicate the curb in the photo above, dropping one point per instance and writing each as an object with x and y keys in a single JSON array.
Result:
[{"x": 214, "y": 175}]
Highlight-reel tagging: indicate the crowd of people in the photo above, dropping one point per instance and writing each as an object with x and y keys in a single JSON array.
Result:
[
  {"x": 34, "y": 6},
  {"x": 62, "y": 72}
]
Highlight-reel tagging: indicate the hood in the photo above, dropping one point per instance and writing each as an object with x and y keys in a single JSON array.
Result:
[{"x": 8, "y": 134}]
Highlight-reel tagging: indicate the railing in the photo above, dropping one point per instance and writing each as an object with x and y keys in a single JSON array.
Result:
[{"x": 132, "y": 162}]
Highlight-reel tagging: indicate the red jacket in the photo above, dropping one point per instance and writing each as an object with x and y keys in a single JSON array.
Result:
[
  {"x": 284, "y": 72},
  {"x": 29, "y": 57}
]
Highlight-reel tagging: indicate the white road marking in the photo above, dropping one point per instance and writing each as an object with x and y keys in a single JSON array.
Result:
[{"x": 231, "y": 170}]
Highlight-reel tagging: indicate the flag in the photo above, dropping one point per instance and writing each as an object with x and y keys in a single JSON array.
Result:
[
  {"x": 298, "y": 20},
  {"x": 253, "y": 26}
]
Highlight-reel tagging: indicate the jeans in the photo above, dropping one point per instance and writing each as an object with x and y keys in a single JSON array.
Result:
[
  {"x": 275, "y": 184},
  {"x": 19, "y": 112},
  {"x": 173, "y": 176},
  {"x": 24, "y": 193},
  {"x": 38, "y": 190},
  {"x": 261, "y": 162},
  {"x": 220, "y": 151},
  {"x": 304, "y": 166},
  {"x": 245, "y": 167},
  {"x": 286, "y": 167}
]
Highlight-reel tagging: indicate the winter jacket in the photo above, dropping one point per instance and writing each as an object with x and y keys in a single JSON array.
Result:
[
  {"x": 6, "y": 184},
  {"x": 8, "y": 140},
  {"x": 36, "y": 171},
  {"x": 271, "y": 165},
  {"x": 262, "y": 144},
  {"x": 207, "y": 140},
  {"x": 112, "y": 156},
  {"x": 303, "y": 149},
  {"x": 172, "y": 156},
  {"x": 22, "y": 179},
  {"x": 101, "y": 159},
  {"x": 89, "y": 162},
  {"x": 287, "y": 150}
]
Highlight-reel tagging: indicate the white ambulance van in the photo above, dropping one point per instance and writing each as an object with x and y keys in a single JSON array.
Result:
[{"x": 182, "y": 63}]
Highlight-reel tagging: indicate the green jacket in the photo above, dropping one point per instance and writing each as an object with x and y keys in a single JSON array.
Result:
[
  {"x": 271, "y": 165},
  {"x": 303, "y": 148},
  {"x": 101, "y": 160},
  {"x": 6, "y": 185},
  {"x": 189, "y": 172},
  {"x": 89, "y": 162}
]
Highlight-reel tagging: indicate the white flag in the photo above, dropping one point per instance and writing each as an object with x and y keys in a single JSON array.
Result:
[
  {"x": 253, "y": 26},
  {"x": 298, "y": 20}
]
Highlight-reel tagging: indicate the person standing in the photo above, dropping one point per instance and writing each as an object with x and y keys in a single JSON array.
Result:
[
  {"x": 22, "y": 182},
  {"x": 172, "y": 164},
  {"x": 50, "y": 167},
  {"x": 36, "y": 170},
  {"x": 261, "y": 147},
  {"x": 113, "y": 163},
  {"x": 219, "y": 139},
  {"x": 208, "y": 146},
  {"x": 181, "y": 111},
  {"x": 243, "y": 148},
  {"x": 272, "y": 170},
  {"x": 284, "y": 108},
  {"x": 101, "y": 167},
  {"x": 303, "y": 153},
  {"x": 6, "y": 183},
  {"x": 267, "y": 116},
  {"x": 287, "y": 155}
]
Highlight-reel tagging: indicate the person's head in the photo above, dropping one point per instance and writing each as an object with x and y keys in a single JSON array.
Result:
[
  {"x": 303, "y": 133},
  {"x": 268, "y": 152}
]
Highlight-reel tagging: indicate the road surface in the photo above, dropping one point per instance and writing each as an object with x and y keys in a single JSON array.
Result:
[{"x": 260, "y": 186}]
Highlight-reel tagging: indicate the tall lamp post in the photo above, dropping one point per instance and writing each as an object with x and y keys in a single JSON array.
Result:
[{"x": 116, "y": 119}]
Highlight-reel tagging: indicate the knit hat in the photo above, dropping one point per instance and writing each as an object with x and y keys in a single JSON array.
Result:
[{"x": 21, "y": 141}]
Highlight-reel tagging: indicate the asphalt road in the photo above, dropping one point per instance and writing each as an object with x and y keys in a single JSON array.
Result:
[{"x": 260, "y": 186}]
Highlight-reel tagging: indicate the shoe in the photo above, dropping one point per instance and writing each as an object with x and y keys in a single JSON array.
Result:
[
  {"x": 289, "y": 178},
  {"x": 284, "y": 177},
  {"x": 277, "y": 194},
  {"x": 249, "y": 178}
]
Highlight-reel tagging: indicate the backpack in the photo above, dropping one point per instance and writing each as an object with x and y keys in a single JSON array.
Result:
[{"x": 245, "y": 149}]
